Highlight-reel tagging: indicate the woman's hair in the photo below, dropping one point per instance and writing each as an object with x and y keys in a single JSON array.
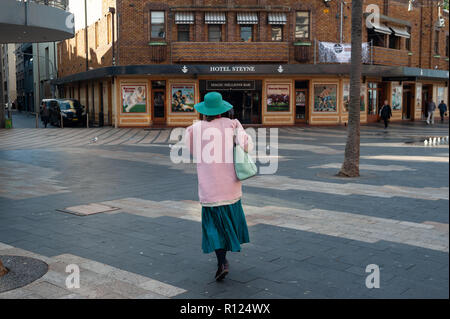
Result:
[{"x": 209, "y": 118}]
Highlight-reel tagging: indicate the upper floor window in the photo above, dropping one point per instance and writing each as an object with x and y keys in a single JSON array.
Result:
[
  {"x": 377, "y": 39},
  {"x": 183, "y": 20},
  {"x": 408, "y": 40},
  {"x": 277, "y": 33},
  {"x": 158, "y": 25},
  {"x": 246, "y": 21},
  {"x": 183, "y": 32},
  {"x": 246, "y": 33},
  {"x": 436, "y": 42},
  {"x": 277, "y": 20},
  {"x": 302, "y": 25},
  {"x": 377, "y": 34},
  {"x": 394, "y": 42},
  {"x": 214, "y": 33},
  {"x": 214, "y": 20}
]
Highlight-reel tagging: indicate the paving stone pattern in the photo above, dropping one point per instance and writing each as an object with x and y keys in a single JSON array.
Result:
[{"x": 312, "y": 234}]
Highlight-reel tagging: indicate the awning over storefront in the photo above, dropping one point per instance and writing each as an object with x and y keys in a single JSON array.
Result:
[
  {"x": 247, "y": 18},
  {"x": 215, "y": 18},
  {"x": 253, "y": 69},
  {"x": 400, "y": 31},
  {"x": 381, "y": 28},
  {"x": 277, "y": 18},
  {"x": 184, "y": 18}
]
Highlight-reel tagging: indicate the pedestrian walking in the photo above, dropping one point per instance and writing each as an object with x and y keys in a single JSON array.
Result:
[
  {"x": 431, "y": 106},
  {"x": 224, "y": 227},
  {"x": 442, "y": 109},
  {"x": 45, "y": 114},
  {"x": 386, "y": 113}
]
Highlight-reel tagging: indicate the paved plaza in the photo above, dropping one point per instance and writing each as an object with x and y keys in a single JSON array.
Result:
[{"x": 111, "y": 202}]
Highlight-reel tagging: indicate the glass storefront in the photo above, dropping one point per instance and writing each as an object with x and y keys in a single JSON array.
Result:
[{"x": 244, "y": 95}]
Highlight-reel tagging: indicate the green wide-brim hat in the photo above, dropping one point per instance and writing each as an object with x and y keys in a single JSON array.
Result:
[{"x": 213, "y": 104}]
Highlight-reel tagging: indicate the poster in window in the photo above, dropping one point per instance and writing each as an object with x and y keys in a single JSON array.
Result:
[
  {"x": 278, "y": 97},
  {"x": 325, "y": 98},
  {"x": 418, "y": 96},
  {"x": 183, "y": 97},
  {"x": 396, "y": 97},
  {"x": 134, "y": 98},
  {"x": 346, "y": 97}
]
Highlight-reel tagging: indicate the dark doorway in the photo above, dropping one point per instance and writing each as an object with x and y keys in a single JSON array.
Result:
[
  {"x": 301, "y": 101},
  {"x": 244, "y": 95},
  {"x": 407, "y": 102},
  {"x": 376, "y": 94},
  {"x": 427, "y": 93},
  {"x": 158, "y": 102}
]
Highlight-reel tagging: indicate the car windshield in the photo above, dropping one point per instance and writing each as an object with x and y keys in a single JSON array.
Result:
[
  {"x": 69, "y": 104},
  {"x": 65, "y": 105}
]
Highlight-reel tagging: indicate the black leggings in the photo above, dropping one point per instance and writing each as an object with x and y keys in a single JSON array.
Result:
[{"x": 221, "y": 256}]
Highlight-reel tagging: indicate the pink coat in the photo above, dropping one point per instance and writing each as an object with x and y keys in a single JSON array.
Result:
[{"x": 217, "y": 181}]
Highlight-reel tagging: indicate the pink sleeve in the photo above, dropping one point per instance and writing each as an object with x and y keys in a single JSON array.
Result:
[{"x": 244, "y": 140}]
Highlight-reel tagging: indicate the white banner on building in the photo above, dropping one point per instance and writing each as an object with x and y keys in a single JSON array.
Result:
[{"x": 330, "y": 52}]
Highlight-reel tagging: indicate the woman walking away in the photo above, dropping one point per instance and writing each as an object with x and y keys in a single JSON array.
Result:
[
  {"x": 442, "y": 109},
  {"x": 210, "y": 141},
  {"x": 386, "y": 113},
  {"x": 45, "y": 114}
]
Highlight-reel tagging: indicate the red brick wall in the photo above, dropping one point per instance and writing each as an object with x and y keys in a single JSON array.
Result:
[
  {"x": 134, "y": 36},
  {"x": 72, "y": 52}
]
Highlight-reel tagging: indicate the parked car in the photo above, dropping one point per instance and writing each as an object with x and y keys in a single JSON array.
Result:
[{"x": 71, "y": 111}]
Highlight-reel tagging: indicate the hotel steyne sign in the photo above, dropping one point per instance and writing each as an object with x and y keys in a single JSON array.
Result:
[{"x": 231, "y": 68}]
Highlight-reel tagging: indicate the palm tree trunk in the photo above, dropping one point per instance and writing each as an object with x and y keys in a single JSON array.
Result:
[
  {"x": 3, "y": 270},
  {"x": 350, "y": 167}
]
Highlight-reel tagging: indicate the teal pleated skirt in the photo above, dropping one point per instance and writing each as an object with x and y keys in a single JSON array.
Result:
[{"x": 224, "y": 227}]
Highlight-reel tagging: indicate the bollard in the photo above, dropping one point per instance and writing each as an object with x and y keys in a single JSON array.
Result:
[
  {"x": 87, "y": 120},
  {"x": 62, "y": 121}
]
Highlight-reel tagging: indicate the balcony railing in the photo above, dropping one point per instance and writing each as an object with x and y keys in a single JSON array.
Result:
[
  {"x": 230, "y": 51},
  {"x": 386, "y": 56},
  {"x": 302, "y": 53},
  {"x": 158, "y": 51}
]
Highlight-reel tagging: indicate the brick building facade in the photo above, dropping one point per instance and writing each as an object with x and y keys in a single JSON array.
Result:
[{"x": 266, "y": 57}]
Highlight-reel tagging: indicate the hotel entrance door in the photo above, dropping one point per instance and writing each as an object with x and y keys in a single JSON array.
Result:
[
  {"x": 244, "y": 95},
  {"x": 376, "y": 96}
]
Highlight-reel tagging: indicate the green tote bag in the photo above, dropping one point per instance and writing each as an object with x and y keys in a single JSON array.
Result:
[{"x": 244, "y": 165}]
